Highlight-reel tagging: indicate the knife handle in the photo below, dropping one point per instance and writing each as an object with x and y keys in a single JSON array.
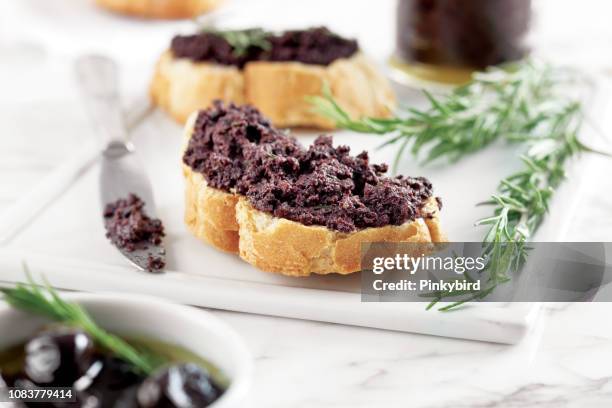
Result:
[{"x": 97, "y": 78}]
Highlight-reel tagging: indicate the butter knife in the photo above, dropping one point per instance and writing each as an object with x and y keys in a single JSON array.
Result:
[{"x": 121, "y": 173}]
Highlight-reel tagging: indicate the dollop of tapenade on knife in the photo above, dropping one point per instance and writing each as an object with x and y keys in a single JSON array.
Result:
[
  {"x": 317, "y": 46},
  {"x": 130, "y": 228},
  {"x": 237, "y": 150}
]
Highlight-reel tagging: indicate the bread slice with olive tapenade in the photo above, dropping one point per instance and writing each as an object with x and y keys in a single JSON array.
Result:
[
  {"x": 233, "y": 214},
  {"x": 162, "y": 9},
  {"x": 229, "y": 223},
  {"x": 201, "y": 68}
]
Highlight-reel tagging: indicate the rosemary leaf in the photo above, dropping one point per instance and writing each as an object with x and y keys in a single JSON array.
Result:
[
  {"x": 523, "y": 103},
  {"x": 516, "y": 101},
  {"x": 242, "y": 40}
]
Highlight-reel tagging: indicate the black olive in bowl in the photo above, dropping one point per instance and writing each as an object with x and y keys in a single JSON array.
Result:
[
  {"x": 58, "y": 357},
  {"x": 112, "y": 382},
  {"x": 179, "y": 386}
]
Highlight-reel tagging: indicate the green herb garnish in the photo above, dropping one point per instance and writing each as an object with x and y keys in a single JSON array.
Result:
[
  {"x": 523, "y": 103},
  {"x": 517, "y": 101},
  {"x": 242, "y": 40},
  {"x": 45, "y": 301}
]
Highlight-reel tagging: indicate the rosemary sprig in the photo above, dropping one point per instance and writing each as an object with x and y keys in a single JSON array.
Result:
[
  {"x": 242, "y": 40},
  {"x": 521, "y": 103},
  {"x": 521, "y": 205},
  {"x": 512, "y": 102},
  {"x": 45, "y": 301}
]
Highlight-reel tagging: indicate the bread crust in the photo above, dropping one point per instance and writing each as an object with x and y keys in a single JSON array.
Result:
[
  {"x": 278, "y": 89},
  {"x": 210, "y": 213},
  {"x": 288, "y": 247},
  {"x": 160, "y": 9},
  {"x": 181, "y": 87}
]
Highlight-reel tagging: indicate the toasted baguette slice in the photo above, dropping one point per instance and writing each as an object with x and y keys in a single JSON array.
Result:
[
  {"x": 162, "y": 9},
  {"x": 228, "y": 222},
  {"x": 278, "y": 89}
]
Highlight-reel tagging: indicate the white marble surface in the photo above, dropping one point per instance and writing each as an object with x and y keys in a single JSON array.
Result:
[{"x": 565, "y": 362}]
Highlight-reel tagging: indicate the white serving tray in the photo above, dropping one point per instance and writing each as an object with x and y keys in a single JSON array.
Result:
[{"x": 57, "y": 230}]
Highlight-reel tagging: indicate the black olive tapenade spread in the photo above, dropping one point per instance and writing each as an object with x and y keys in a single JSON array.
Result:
[
  {"x": 130, "y": 228},
  {"x": 236, "y": 149},
  {"x": 317, "y": 46}
]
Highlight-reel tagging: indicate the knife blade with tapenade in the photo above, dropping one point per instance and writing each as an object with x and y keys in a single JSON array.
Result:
[{"x": 125, "y": 191}]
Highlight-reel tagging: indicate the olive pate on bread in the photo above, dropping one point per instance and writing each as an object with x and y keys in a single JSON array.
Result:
[
  {"x": 286, "y": 208},
  {"x": 276, "y": 76}
]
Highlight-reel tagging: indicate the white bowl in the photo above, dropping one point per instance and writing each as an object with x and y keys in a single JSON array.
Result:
[{"x": 194, "y": 329}]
